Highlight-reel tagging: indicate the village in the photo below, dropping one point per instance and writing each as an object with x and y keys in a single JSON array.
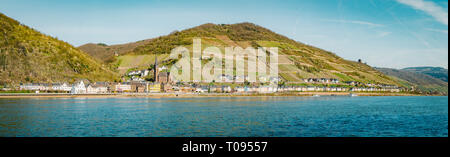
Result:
[
  {"x": 163, "y": 83},
  {"x": 84, "y": 87}
]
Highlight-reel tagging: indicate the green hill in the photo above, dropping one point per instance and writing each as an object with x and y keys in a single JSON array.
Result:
[
  {"x": 424, "y": 83},
  {"x": 436, "y": 72},
  {"x": 27, "y": 55},
  {"x": 297, "y": 60},
  {"x": 106, "y": 53}
]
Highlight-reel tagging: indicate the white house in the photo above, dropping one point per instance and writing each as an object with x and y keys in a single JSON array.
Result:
[
  {"x": 202, "y": 89},
  {"x": 311, "y": 89},
  {"x": 91, "y": 90},
  {"x": 61, "y": 87},
  {"x": 30, "y": 86},
  {"x": 226, "y": 89},
  {"x": 240, "y": 89},
  {"x": 78, "y": 88}
]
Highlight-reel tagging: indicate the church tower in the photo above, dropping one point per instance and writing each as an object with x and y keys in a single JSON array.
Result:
[{"x": 156, "y": 70}]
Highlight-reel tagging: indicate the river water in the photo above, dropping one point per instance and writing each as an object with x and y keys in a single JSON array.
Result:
[{"x": 225, "y": 117}]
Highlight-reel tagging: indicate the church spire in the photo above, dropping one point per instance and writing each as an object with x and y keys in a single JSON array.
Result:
[{"x": 156, "y": 70}]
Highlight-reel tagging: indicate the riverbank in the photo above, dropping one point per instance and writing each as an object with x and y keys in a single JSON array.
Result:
[{"x": 191, "y": 95}]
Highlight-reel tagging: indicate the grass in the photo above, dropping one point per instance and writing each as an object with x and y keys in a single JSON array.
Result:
[
  {"x": 344, "y": 77},
  {"x": 280, "y": 45},
  {"x": 137, "y": 61},
  {"x": 287, "y": 68},
  {"x": 289, "y": 77}
]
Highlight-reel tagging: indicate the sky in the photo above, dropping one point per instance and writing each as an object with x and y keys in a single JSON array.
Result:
[{"x": 383, "y": 33}]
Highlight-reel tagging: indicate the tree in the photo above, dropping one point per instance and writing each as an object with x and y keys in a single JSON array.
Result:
[{"x": 281, "y": 83}]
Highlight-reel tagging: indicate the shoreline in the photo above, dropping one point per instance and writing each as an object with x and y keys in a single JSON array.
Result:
[{"x": 195, "y": 95}]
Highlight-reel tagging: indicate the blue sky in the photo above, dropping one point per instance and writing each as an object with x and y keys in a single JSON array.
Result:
[{"x": 384, "y": 33}]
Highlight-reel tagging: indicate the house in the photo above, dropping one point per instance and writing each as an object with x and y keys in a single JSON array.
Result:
[
  {"x": 215, "y": 89},
  {"x": 145, "y": 73},
  {"x": 138, "y": 87},
  {"x": 136, "y": 78},
  {"x": 333, "y": 89},
  {"x": 311, "y": 89},
  {"x": 30, "y": 86},
  {"x": 309, "y": 80},
  {"x": 225, "y": 78},
  {"x": 154, "y": 88},
  {"x": 248, "y": 89},
  {"x": 202, "y": 89},
  {"x": 239, "y": 78},
  {"x": 90, "y": 89},
  {"x": 299, "y": 89},
  {"x": 267, "y": 89},
  {"x": 227, "y": 89},
  {"x": 353, "y": 83},
  {"x": 61, "y": 87},
  {"x": 78, "y": 88},
  {"x": 97, "y": 88},
  {"x": 187, "y": 89},
  {"x": 45, "y": 87},
  {"x": 273, "y": 89},
  {"x": 56, "y": 86},
  {"x": 335, "y": 81},
  {"x": 141, "y": 73},
  {"x": 275, "y": 80},
  {"x": 394, "y": 90},
  {"x": 138, "y": 75},
  {"x": 123, "y": 87},
  {"x": 239, "y": 89},
  {"x": 104, "y": 87},
  {"x": 357, "y": 89},
  {"x": 254, "y": 89},
  {"x": 324, "y": 80},
  {"x": 167, "y": 88},
  {"x": 164, "y": 77}
]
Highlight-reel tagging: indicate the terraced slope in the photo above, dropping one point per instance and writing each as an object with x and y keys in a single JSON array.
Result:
[{"x": 297, "y": 60}]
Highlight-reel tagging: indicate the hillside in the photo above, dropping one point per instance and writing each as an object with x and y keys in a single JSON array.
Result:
[
  {"x": 27, "y": 55},
  {"x": 106, "y": 53},
  {"x": 297, "y": 60},
  {"x": 436, "y": 72},
  {"x": 423, "y": 82}
]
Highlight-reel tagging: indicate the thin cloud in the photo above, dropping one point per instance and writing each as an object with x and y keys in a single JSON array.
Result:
[
  {"x": 430, "y": 8},
  {"x": 383, "y": 34},
  {"x": 437, "y": 30},
  {"x": 370, "y": 24}
]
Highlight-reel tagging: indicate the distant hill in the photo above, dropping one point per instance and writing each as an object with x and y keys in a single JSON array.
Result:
[
  {"x": 107, "y": 53},
  {"x": 423, "y": 82},
  {"x": 297, "y": 60},
  {"x": 27, "y": 55},
  {"x": 436, "y": 72}
]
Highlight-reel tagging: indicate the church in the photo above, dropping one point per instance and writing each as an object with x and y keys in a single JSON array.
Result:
[{"x": 160, "y": 74}]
